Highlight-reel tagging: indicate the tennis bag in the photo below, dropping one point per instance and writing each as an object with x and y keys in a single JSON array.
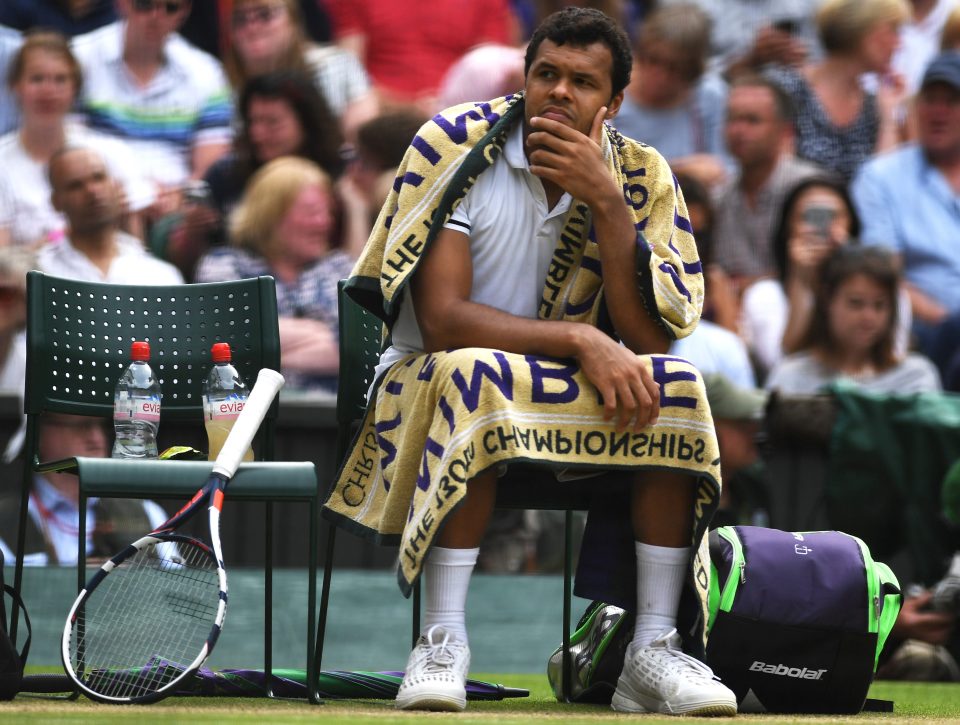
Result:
[
  {"x": 11, "y": 661},
  {"x": 798, "y": 619},
  {"x": 795, "y": 619}
]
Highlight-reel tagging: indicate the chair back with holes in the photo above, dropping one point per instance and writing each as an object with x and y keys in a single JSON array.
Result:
[
  {"x": 79, "y": 336},
  {"x": 360, "y": 332}
]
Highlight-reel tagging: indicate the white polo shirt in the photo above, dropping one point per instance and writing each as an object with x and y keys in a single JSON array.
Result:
[
  {"x": 132, "y": 265},
  {"x": 513, "y": 235},
  {"x": 186, "y": 104}
]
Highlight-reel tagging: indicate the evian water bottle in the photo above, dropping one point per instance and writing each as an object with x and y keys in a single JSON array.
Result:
[
  {"x": 224, "y": 395},
  {"x": 136, "y": 407}
]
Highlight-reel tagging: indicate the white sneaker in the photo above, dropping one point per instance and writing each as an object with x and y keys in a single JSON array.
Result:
[
  {"x": 661, "y": 678},
  {"x": 436, "y": 674}
]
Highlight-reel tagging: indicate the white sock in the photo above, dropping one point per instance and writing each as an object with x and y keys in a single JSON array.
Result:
[
  {"x": 661, "y": 571},
  {"x": 446, "y": 576}
]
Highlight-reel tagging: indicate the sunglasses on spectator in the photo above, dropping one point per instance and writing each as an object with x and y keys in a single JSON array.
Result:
[
  {"x": 260, "y": 15},
  {"x": 170, "y": 7}
]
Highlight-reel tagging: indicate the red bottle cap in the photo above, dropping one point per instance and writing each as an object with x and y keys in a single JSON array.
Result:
[
  {"x": 140, "y": 351},
  {"x": 220, "y": 352}
]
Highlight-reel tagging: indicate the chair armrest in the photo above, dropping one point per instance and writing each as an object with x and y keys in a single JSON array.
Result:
[{"x": 262, "y": 481}]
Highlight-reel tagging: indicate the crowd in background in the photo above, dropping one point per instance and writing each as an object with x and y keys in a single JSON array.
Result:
[{"x": 816, "y": 143}]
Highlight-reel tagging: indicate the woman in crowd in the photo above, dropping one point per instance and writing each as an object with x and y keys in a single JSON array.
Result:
[
  {"x": 852, "y": 331},
  {"x": 45, "y": 78},
  {"x": 282, "y": 114},
  {"x": 671, "y": 103},
  {"x": 839, "y": 123},
  {"x": 268, "y": 35},
  {"x": 817, "y": 217},
  {"x": 283, "y": 227}
]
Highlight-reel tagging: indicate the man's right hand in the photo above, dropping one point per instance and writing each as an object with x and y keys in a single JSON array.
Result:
[{"x": 630, "y": 395}]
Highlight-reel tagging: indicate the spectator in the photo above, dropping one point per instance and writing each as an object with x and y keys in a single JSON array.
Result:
[
  {"x": 907, "y": 201},
  {"x": 950, "y": 35},
  {"x": 839, "y": 124},
  {"x": 94, "y": 249},
  {"x": 283, "y": 227},
  {"x": 69, "y": 17},
  {"x": 748, "y": 35},
  {"x": 920, "y": 39},
  {"x": 268, "y": 35},
  {"x": 380, "y": 145},
  {"x": 671, "y": 103},
  {"x": 759, "y": 136},
  {"x": 146, "y": 85},
  {"x": 488, "y": 71},
  {"x": 9, "y": 44},
  {"x": 851, "y": 335},
  {"x": 282, "y": 114},
  {"x": 53, "y": 509},
  {"x": 817, "y": 217},
  {"x": 45, "y": 78},
  {"x": 407, "y": 45}
]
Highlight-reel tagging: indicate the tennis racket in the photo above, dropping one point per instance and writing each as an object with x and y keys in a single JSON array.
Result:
[{"x": 151, "y": 615}]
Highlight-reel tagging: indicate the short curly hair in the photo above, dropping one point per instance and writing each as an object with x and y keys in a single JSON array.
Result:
[{"x": 581, "y": 27}]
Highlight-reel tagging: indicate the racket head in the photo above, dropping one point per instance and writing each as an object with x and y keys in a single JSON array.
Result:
[{"x": 146, "y": 621}]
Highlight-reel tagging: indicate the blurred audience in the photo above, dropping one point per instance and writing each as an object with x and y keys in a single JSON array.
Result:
[
  {"x": 852, "y": 331},
  {"x": 839, "y": 124},
  {"x": 268, "y": 35},
  {"x": 907, "y": 201},
  {"x": 920, "y": 38},
  {"x": 93, "y": 249},
  {"x": 759, "y": 136},
  {"x": 45, "y": 78},
  {"x": 15, "y": 262},
  {"x": 145, "y": 84},
  {"x": 70, "y": 17},
  {"x": 671, "y": 103},
  {"x": 53, "y": 509},
  {"x": 748, "y": 35},
  {"x": 284, "y": 227},
  {"x": 487, "y": 71},
  {"x": 407, "y": 46},
  {"x": 9, "y": 44},
  {"x": 379, "y": 149},
  {"x": 712, "y": 347},
  {"x": 281, "y": 114}
]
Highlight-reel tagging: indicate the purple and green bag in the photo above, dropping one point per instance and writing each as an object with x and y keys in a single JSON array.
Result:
[{"x": 798, "y": 619}]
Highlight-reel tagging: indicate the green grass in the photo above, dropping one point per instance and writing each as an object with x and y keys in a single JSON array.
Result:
[{"x": 915, "y": 702}]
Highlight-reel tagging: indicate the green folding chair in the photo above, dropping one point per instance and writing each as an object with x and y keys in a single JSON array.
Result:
[
  {"x": 78, "y": 344},
  {"x": 360, "y": 334}
]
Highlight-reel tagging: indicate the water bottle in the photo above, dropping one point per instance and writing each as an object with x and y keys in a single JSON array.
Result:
[
  {"x": 224, "y": 395},
  {"x": 136, "y": 407}
]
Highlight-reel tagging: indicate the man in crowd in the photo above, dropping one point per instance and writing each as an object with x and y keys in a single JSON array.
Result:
[
  {"x": 907, "y": 201},
  {"x": 759, "y": 136},
  {"x": 146, "y": 85},
  {"x": 51, "y": 534},
  {"x": 94, "y": 249}
]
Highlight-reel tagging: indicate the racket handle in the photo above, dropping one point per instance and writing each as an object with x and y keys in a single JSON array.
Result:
[{"x": 248, "y": 422}]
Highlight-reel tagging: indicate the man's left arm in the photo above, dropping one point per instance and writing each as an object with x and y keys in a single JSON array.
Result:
[{"x": 575, "y": 162}]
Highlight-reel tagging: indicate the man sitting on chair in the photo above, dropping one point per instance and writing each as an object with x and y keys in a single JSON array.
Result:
[
  {"x": 52, "y": 525},
  {"x": 551, "y": 257}
]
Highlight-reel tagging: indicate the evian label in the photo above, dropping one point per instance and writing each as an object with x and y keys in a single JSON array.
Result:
[
  {"x": 139, "y": 408},
  {"x": 800, "y": 673},
  {"x": 227, "y": 409}
]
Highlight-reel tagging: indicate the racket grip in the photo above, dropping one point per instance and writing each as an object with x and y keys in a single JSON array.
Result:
[{"x": 248, "y": 422}]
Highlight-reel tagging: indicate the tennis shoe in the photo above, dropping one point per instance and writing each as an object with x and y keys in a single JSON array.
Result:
[
  {"x": 436, "y": 674},
  {"x": 661, "y": 678}
]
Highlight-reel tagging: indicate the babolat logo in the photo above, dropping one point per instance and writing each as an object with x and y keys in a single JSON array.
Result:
[{"x": 801, "y": 673}]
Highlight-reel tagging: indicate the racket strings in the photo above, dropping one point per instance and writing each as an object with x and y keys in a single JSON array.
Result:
[{"x": 147, "y": 621}]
